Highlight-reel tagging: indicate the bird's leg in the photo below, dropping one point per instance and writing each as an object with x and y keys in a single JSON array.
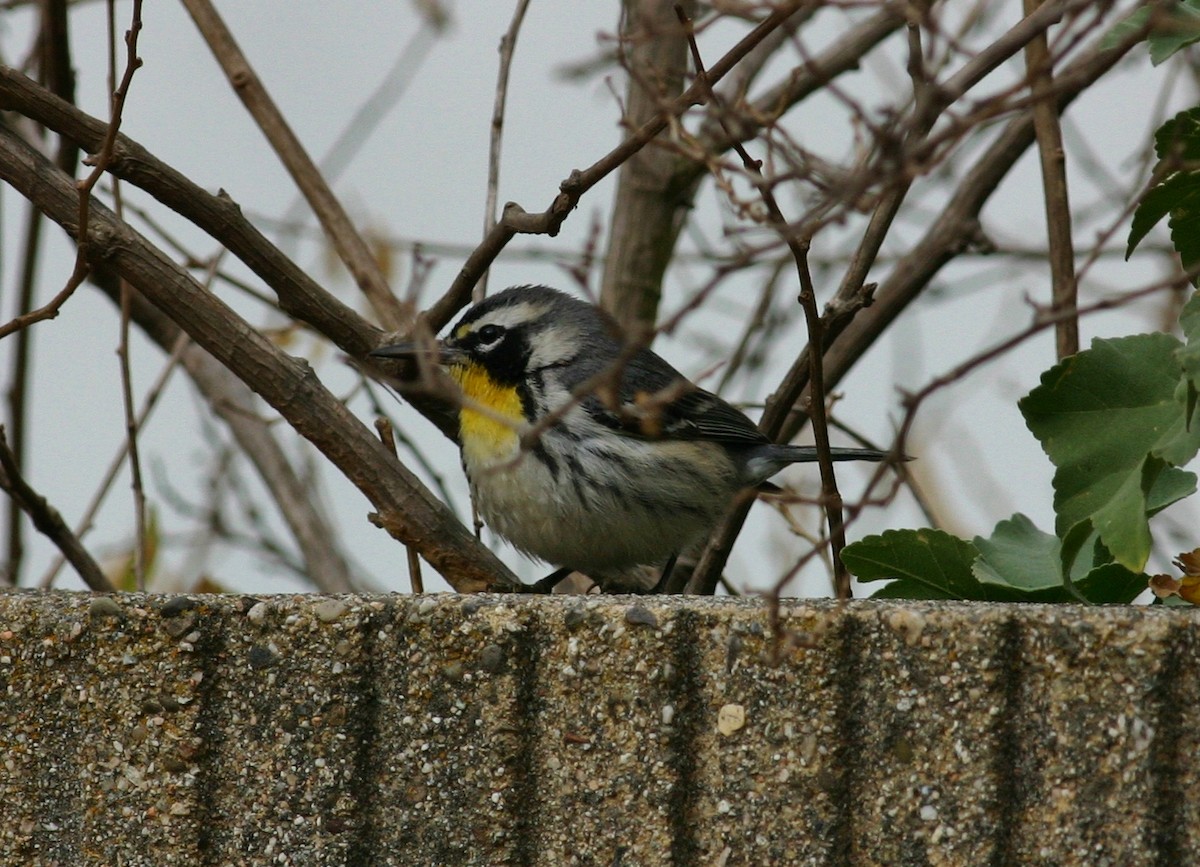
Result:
[
  {"x": 547, "y": 584},
  {"x": 666, "y": 574}
]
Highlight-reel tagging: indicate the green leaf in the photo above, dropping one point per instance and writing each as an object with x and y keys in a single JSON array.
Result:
[
  {"x": 1082, "y": 537},
  {"x": 1019, "y": 555},
  {"x": 1188, "y": 357},
  {"x": 1111, "y": 585},
  {"x": 1109, "y": 421},
  {"x": 1177, "y": 141},
  {"x": 1185, "y": 227},
  {"x": 1177, "y": 191},
  {"x": 1122, "y": 521},
  {"x": 1173, "y": 28},
  {"x": 1133, "y": 24},
  {"x": 1178, "y": 27},
  {"x": 938, "y": 564},
  {"x": 931, "y": 564},
  {"x": 907, "y": 588},
  {"x": 1177, "y": 195},
  {"x": 1171, "y": 486}
]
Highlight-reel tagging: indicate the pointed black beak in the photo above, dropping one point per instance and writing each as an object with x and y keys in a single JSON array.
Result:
[{"x": 417, "y": 349}]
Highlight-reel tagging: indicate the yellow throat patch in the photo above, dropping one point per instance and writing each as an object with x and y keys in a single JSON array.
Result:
[{"x": 491, "y": 436}]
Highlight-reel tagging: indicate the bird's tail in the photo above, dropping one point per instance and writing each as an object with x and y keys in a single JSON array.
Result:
[
  {"x": 802, "y": 454},
  {"x": 767, "y": 460}
]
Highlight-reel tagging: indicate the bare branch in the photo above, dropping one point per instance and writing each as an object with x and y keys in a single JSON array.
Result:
[
  {"x": 516, "y": 220},
  {"x": 299, "y": 295},
  {"x": 936, "y": 99},
  {"x": 48, "y": 521},
  {"x": 847, "y": 337},
  {"x": 645, "y": 218},
  {"x": 798, "y": 243},
  {"x": 388, "y": 437},
  {"x": 844, "y": 55},
  {"x": 407, "y": 509},
  {"x": 508, "y": 44},
  {"x": 100, "y": 166},
  {"x": 131, "y": 426},
  {"x": 349, "y": 244},
  {"x": 953, "y": 230},
  {"x": 149, "y": 402},
  {"x": 18, "y": 388},
  {"x": 1054, "y": 184},
  {"x": 324, "y": 563}
]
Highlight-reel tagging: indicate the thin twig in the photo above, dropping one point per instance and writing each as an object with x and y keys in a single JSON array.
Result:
[
  {"x": 299, "y": 295},
  {"x": 843, "y": 56},
  {"x": 149, "y": 402},
  {"x": 371, "y": 113},
  {"x": 55, "y": 70},
  {"x": 131, "y": 427},
  {"x": 18, "y": 389},
  {"x": 516, "y": 221},
  {"x": 48, "y": 521},
  {"x": 757, "y": 326},
  {"x": 348, "y": 243},
  {"x": 956, "y": 224},
  {"x": 508, "y": 44},
  {"x": 258, "y": 439},
  {"x": 131, "y": 438},
  {"x": 407, "y": 509},
  {"x": 383, "y": 427},
  {"x": 414, "y": 570},
  {"x": 85, "y": 187},
  {"x": 1044, "y": 317},
  {"x": 925, "y": 114},
  {"x": 1054, "y": 183},
  {"x": 388, "y": 437},
  {"x": 798, "y": 244},
  {"x": 652, "y": 49},
  {"x": 954, "y": 228}
]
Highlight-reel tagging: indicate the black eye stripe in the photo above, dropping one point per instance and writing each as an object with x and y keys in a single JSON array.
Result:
[{"x": 502, "y": 352}]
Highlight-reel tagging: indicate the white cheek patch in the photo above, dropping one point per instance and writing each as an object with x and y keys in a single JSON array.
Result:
[{"x": 554, "y": 346}]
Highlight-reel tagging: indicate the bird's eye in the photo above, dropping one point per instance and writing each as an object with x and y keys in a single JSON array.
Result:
[{"x": 490, "y": 334}]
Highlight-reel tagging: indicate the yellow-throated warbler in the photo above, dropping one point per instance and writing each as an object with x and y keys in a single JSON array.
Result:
[{"x": 636, "y": 462}]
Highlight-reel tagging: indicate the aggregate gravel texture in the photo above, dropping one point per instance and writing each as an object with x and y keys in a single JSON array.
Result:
[{"x": 601, "y": 730}]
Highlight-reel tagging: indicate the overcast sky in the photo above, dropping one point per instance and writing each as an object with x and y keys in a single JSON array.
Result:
[{"x": 421, "y": 176}]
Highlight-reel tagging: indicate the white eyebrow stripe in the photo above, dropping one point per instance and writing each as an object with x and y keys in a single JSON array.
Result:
[{"x": 507, "y": 317}]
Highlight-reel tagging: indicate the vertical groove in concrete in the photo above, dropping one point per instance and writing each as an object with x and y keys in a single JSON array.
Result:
[
  {"x": 46, "y": 810},
  {"x": 174, "y": 731},
  {"x": 1008, "y": 769},
  {"x": 364, "y": 785},
  {"x": 210, "y": 651},
  {"x": 1168, "y": 819},
  {"x": 848, "y": 750},
  {"x": 525, "y": 802},
  {"x": 688, "y": 700}
]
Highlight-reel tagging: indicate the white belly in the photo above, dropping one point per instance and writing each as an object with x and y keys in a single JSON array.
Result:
[{"x": 652, "y": 500}]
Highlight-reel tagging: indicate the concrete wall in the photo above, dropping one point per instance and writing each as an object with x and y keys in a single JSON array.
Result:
[{"x": 159, "y": 730}]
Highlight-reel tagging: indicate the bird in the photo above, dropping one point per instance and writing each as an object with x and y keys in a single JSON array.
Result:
[{"x": 587, "y": 452}]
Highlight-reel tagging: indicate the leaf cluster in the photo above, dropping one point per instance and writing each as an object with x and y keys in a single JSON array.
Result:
[{"x": 1118, "y": 421}]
